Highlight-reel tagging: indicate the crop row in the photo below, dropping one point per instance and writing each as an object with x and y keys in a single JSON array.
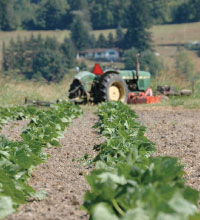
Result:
[
  {"x": 18, "y": 159},
  {"x": 128, "y": 183}
]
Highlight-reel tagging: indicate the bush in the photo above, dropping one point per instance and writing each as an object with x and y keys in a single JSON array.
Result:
[
  {"x": 185, "y": 65},
  {"x": 148, "y": 61},
  {"x": 38, "y": 58},
  {"x": 50, "y": 65}
]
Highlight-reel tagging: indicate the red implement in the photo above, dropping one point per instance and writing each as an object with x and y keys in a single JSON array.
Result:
[{"x": 143, "y": 98}]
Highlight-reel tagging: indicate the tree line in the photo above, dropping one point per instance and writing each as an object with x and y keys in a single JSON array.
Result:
[
  {"x": 48, "y": 59},
  {"x": 38, "y": 58},
  {"x": 104, "y": 14}
]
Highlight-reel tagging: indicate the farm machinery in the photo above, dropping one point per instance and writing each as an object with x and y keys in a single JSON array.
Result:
[{"x": 130, "y": 86}]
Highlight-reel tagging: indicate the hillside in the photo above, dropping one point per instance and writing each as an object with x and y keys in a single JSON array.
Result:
[{"x": 166, "y": 38}]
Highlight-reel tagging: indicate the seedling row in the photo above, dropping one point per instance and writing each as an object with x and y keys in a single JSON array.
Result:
[
  {"x": 128, "y": 183},
  {"x": 18, "y": 158}
]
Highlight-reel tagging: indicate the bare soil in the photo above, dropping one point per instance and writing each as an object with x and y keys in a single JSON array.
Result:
[{"x": 175, "y": 132}]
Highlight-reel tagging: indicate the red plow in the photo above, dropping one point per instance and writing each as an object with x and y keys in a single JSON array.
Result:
[{"x": 143, "y": 97}]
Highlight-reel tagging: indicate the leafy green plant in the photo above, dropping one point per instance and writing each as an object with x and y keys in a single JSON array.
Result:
[
  {"x": 18, "y": 159},
  {"x": 128, "y": 183}
]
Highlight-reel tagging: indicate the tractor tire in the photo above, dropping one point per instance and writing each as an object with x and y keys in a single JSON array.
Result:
[
  {"x": 113, "y": 88},
  {"x": 75, "y": 90}
]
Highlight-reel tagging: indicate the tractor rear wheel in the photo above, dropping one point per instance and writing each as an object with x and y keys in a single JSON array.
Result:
[
  {"x": 113, "y": 88},
  {"x": 75, "y": 90}
]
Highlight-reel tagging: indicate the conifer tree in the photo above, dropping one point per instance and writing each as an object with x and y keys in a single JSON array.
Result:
[
  {"x": 111, "y": 40},
  {"x": 7, "y": 16},
  {"x": 119, "y": 36},
  {"x": 102, "y": 41},
  {"x": 80, "y": 34},
  {"x": 69, "y": 52},
  {"x": 139, "y": 20}
]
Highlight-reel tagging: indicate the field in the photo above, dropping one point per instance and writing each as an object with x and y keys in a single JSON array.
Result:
[
  {"x": 174, "y": 131},
  {"x": 171, "y": 125}
]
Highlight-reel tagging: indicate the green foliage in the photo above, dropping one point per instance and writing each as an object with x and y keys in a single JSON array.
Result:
[
  {"x": 185, "y": 65},
  {"x": 128, "y": 183},
  {"x": 111, "y": 40},
  {"x": 101, "y": 42},
  {"x": 8, "y": 19},
  {"x": 50, "y": 65},
  {"x": 108, "y": 14},
  {"x": 80, "y": 34},
  {"x": 148, "y": 61},
  {"x": 69, "y": 51},
  {"x": 25, "y": 11},
  {"x": 119, "y": 37},
  {"x": 18, "y": 159},
  {"x": 104, "y": 14},
  {"x": 39, "y": 58},
  {"x": 189, "y": 11},
  {"x": 139, "y": 19},
  {"x": 51, "y": 14}
]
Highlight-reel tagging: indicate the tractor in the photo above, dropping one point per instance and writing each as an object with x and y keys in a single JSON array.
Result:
[{"x": 108, "y": 85}]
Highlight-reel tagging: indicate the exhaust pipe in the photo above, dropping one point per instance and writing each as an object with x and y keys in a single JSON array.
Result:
[{"x": 137, "y": 66}]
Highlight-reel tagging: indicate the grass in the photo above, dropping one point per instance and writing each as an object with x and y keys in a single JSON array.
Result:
[
  {"x": 13, "y": 92},
  {"x": 168, "y": 39},
  {"x": 173, "y": 103}
]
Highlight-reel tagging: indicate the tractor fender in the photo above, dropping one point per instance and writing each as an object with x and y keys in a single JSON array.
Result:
[
  {"x": 110, "y": 71},
  {"x": 86, "y": 79},
  {"x": 124, "y": 74},
  {"x": 107, "y": 72}
]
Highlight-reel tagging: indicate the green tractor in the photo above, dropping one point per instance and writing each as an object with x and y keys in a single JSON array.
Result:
[{"x": 108, "y": 85}]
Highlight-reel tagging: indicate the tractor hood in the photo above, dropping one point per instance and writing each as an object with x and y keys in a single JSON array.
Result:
[{"x": 86, "y": 79}]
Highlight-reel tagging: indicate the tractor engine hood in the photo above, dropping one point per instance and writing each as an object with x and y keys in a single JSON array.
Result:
[{"x": 86, "y": 79}]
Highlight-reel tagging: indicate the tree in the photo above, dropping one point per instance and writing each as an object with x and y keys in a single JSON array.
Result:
[
  {"x": 8, "y": 20},
  {"x": 139, "y": 20},
  {"x": 93, "y": 41},
  {"x": 185, "y": 65},
  {"x": 111, "y": 40},
  {"x": 80, "y": 34},
  {"x": 148, "y": 61},
  {"x": 50, "y": 65},
  {"x": 51, "y": 13},
  {"x": 26, "y": 10},
  {"x": 193, "y": 10},
  {"x": 69, "y": 51},
  {"x": 37, "y": 58},
  {"x": 101, "y": 41},
  {"x": 119, "y": 36}
]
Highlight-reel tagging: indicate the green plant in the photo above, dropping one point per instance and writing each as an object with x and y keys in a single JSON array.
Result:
[
  {"x": 36, "y": 58},
  {"x": 18, "y": 159},
  {"x": 185, "y": 65},
  {"x": 128, "y": 183}
]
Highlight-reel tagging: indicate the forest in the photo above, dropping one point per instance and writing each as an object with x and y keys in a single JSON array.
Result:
[{"x": 98, "y": 14}]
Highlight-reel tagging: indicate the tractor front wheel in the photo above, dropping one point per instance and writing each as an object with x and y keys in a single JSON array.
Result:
[{"x": 113, "y": 88}]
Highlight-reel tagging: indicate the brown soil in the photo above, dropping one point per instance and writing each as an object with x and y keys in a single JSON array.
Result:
[
  {"x": 175, "y": 132},
  {"x": 63, "y": 175}
]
